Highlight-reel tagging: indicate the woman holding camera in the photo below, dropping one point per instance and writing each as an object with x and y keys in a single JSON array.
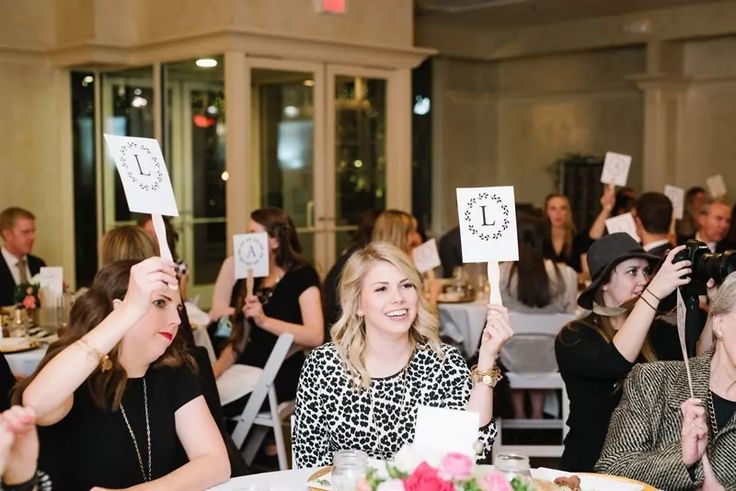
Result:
[
  {"x": 661, "y": 435},
  {"x": 595, "y": 353}
]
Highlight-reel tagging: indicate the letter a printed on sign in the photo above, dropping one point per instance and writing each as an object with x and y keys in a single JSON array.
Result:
[{"x": 250, "y": 251}]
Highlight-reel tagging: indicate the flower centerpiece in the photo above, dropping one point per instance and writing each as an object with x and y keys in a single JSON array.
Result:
[
  {"x": 413, "y": 469},
  {"x": 26, "y": 294}
]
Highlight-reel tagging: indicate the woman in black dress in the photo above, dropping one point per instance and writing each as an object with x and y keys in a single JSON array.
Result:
[
  {"x": 596, "y": 353},
  {"x": 117, "y": 399},
  {"x": 286, "y": 301}
]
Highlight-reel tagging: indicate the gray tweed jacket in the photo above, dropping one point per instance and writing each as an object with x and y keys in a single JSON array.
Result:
[{"x": 643, "y": 441}]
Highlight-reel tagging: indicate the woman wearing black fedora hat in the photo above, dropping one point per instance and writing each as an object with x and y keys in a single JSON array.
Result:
[{"x": 597, "y": 352}]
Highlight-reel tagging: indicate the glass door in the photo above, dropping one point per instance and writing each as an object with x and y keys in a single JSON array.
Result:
[
  {"x": 357, "y": 150},
  {"x": 286, "y": 145}
]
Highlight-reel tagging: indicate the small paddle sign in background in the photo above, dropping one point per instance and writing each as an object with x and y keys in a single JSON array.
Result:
[
  {"x": 426, "y": 257},
  {"x": 616, "y": 169},
  {"x": 488, "y": 229},
  {"x": 677, "y": 197},
  {"x": 146, "y": 182},
  {"x": 251, "y": 257}
]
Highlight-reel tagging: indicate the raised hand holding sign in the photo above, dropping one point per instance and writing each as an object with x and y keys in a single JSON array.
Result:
[
  {"x": 146, "y": 182},
  {"x": 488, "y": 229}
]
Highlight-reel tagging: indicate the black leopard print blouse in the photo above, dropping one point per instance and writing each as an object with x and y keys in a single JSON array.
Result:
[{"x": 331, "y": 415}]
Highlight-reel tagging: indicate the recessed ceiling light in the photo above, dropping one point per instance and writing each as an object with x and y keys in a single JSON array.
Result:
[{"x": 206, "y": 62}]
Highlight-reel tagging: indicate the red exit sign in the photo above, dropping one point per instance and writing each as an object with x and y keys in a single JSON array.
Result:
[{"x": 330, "y": 6}]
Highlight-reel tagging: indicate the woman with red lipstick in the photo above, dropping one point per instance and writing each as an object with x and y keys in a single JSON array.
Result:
[
  {"x": 362, "y": 390},
  {"x": 116, "y": 399},
  {"x": 596, "y": 353}
]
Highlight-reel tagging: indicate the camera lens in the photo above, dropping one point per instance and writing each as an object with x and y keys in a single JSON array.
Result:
[{"x": 716, "y": 266}]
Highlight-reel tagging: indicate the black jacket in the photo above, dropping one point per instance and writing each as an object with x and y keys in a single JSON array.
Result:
[{"x": 7, "y": 283}]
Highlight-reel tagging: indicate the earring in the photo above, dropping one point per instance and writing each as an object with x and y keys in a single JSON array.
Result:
[
  {"x": 717, "y": 333},
  {"x": 359, "y": 313}
]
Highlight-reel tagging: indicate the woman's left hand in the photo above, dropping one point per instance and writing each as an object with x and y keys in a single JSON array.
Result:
[
  {"x": 495, "y": 334},
  {"x": 253, "y": 309}
]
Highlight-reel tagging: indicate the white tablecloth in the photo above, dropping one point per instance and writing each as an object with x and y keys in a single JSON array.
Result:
[
  {"x": 23, "y": 364},
  {"x": 464, "y": 323},
  {"x": 269, "y": 481}
]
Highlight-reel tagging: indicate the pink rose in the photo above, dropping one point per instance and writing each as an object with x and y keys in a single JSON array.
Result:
[
  {"x": 29, "y": 302},
  {"x": 362, "y": 486},
  {"x": 456, "y": 467},
  {"x": 425, "y": 478},
  {"x": 495, "y": 481},
  {"x": 391, "y": 485}
]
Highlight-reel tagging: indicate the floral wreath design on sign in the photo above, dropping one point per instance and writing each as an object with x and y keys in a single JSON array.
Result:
[
  {"x": 472, "y": 202},
  {"x": 134, "y": 171},
  {"x": 242, "y": 251}
]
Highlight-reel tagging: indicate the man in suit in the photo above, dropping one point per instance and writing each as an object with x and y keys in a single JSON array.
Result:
[
  {"x": 714, "y": 221},
  {"x": 653, "y": 218},
  {"x": 18, "y": 229}
]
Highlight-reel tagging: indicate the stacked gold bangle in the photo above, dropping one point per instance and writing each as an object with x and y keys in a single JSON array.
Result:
[
  {"x": 103, "y": 359},
  {"x": 488, "y": 377}
]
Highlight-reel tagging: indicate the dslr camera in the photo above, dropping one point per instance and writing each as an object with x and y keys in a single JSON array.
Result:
[{"x": 705, "y": 265}]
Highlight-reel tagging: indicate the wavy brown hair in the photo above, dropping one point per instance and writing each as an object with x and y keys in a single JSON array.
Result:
[
  {"x": 278, "y": 226},
  {"x": 107, "y": 388},
  {"x": 348, "y": 333}
]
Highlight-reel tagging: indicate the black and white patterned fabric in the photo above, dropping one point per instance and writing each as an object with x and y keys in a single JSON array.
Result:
[
  {"x": 332, "y": 415},
  {"x": 644, "y": 441}
]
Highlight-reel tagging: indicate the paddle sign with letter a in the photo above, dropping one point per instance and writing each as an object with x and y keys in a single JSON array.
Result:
[
  {"x": 251, "y": 257},
  {"x": 146, "y": 182},
  {"x": 488, "y": 230}
]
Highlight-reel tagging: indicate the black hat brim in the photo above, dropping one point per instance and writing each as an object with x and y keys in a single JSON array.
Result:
[{"x": 585, "y": 299}]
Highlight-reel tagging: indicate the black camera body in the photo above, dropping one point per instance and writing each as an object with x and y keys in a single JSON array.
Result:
[{"x": 705, "y": 265}]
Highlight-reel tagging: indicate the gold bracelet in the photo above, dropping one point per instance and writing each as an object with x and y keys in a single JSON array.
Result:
[
  {"x": 103, "y": 359},
  {"x": 488, "y": 377}
]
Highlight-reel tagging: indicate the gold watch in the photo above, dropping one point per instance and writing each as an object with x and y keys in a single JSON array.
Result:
[{"x": 487, "y": 377}]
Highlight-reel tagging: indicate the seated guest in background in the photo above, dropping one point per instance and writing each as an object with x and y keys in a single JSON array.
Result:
[
  {"x": 19, "y": 451},
  {"x": 172, "y": 239},
  {"x": 715, "y": 221},
  {"x": 361, "y": 391},
  {"x": 731, "y": 236},
  {"x": 653, "y": 219},
  {"x": 116, "y": 398},
  {"x": 286, "y": 301},
  {"x": 18, "y": 228},
  {"x": 331, "y": 302},
  {"x": 535, "y": 285},
  {"x": 564, "y": 245},
  {"x": 689, "y": 224},
  {"x": 595, "y": 353},
  {"x": 659, "y": 435},
  {"x": 450, "y": 251}
]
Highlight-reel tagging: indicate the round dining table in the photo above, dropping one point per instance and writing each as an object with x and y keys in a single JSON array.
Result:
[{"x": 294, "y": 479}]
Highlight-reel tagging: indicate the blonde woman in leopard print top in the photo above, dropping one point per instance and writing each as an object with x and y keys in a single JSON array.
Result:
[
  {"x": 362, "y": 390},
  {"x": 662, "y": 436}
]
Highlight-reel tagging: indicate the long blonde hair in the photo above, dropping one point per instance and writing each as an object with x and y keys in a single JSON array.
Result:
[
  {"x": 348, "y": 333},
  {"x": 394, "y": 227}
]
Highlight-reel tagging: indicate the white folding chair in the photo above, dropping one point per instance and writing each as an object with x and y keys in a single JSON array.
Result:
[
  {"x": 529, "y": 357},
  {"x": 253, "y": 423}
]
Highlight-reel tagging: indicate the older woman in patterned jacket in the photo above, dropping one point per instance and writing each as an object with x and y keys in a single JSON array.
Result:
[
  {"x": 660, "y": 435},
  {"x": 362, "y": 390}
]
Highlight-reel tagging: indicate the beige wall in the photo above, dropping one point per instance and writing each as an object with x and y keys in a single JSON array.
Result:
[
  {"x": 507, "y": 122},
  {"x": 509, "y": 102},
  {"x": 33, "y": 167}
]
